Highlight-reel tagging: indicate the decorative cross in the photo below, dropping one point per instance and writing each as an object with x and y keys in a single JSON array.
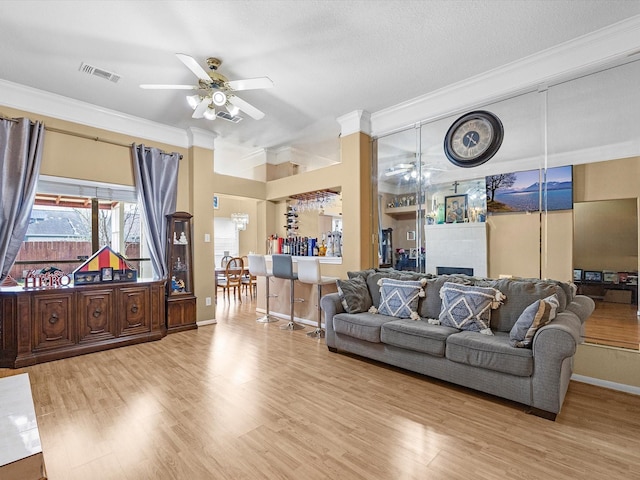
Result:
[{"x": 455, "y": 186}]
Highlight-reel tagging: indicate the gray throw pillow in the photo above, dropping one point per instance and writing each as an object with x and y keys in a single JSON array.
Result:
[
  {"x": 467, "y": 307},
  {"x": 354, "y": 294},
  {"x": 534, "y": 317}
]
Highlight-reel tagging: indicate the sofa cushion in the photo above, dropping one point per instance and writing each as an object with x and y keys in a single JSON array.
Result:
[
  {"x": 468, "y": 307},
  {"x": 534, "y": 317},
  {"x": 364, "y": 326},
  {"x": 490, "y": 352},
  {"x": 431, "y": 305},
  {"x": 399, "y": 298},
  {"x": 354, "y": 295},
  {"x": 417, "y": 335},
  {"x": 520, "y": 294}
]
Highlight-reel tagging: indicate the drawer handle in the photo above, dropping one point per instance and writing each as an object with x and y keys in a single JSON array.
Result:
[
  {"x": 134, "y": 308},
  {"x": 97, "y": 312},
  {"x": 53, "y": 318}
]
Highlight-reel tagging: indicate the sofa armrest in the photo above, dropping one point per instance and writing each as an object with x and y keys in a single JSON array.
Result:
[
  {"x": 582, "y": 306},
  {"x": 553, "y": 348},
  {"x": 331, "y": 305}
]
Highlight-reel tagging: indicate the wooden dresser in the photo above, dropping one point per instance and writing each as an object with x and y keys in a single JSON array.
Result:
[{"x": 40, "y": 325}]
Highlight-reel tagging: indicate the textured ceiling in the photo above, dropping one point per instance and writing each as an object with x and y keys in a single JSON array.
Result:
[{"x": 326, "y": 58}]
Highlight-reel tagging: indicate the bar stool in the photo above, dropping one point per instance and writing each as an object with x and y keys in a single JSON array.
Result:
[
  {"x": 309, "y": 272},
  {"x": 283, "y": 268},
  {"x": 258, "y": 268}
]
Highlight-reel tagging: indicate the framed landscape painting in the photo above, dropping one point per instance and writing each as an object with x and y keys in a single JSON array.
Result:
[{"x": 520, "y": 191}]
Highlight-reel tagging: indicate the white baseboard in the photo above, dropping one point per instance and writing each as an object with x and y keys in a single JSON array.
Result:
[
  {"x": 202, "y": 323},
  {"x": 621, "y": 387}
]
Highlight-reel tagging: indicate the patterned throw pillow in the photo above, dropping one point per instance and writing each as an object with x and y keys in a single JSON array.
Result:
[
  {"x": 354, "y": 294},
  {"x": 534, "y": 317},
  {"x": 399, "y": 298},
  {"x": 468, "y": 307}
]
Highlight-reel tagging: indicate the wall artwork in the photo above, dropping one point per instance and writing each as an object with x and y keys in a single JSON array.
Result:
[
  {"x": 455, "y": 208},
  {"x": 520, "y": 191}
]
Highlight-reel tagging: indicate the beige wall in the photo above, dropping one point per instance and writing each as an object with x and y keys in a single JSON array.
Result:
[
  {"x": 513, "y": 239},
  {"x": 606, "y": 235}
]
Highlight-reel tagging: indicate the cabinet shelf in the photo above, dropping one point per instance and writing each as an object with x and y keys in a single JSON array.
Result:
[
  {"x": 408, "y": 210},
  {"x": 181, "y": 302}
]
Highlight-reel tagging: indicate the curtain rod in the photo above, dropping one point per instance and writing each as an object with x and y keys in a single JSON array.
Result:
[
  {"x": 81, "y": 135},
  {"x": 91, "y": 137}
]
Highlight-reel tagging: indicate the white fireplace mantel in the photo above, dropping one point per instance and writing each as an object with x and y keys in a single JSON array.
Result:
[{"x": 462, "y": 245}]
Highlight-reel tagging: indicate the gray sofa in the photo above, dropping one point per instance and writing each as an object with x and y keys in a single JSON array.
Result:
[{"x": 537, "y": 376}]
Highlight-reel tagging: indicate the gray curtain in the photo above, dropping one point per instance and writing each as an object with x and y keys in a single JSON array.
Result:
[
  {"x": 156, "y": 177},
  {"x": 20, "y": 158}
]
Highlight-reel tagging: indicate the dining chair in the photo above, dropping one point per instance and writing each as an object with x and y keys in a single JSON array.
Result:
[
  {"x": 233, "y": 278},
  {"x": 249, "y": 282}
]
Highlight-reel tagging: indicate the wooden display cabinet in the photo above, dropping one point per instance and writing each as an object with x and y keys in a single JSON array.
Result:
[
  {"x": 44, "y": 324},
  {"x": 181, "y": 301}
]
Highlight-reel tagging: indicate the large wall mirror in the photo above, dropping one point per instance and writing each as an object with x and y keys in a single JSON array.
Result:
[
  {"x": 605, "y": 256},
  {"x": 573, "y": 143}
]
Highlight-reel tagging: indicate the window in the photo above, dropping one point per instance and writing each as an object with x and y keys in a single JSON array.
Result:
[
  {"x": 71, "y": 220},
  {"x": 227, "y": 242}
]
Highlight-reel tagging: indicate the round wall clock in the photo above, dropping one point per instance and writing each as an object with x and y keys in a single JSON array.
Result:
[{"x": 473, "y": 139}]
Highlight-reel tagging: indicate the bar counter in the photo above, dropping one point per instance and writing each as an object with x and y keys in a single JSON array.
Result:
[{"x": 304, "y": 312}]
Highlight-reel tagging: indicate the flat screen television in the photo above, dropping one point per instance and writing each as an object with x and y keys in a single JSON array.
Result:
[{"x": 592, "y": 276}]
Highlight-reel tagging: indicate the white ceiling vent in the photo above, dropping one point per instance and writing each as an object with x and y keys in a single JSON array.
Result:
[
  {"x": 228, "y": 116},
  {"x": 99, "y": 72}
]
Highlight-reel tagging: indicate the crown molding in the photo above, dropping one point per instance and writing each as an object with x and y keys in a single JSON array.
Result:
[
  {"x": 357, "y": 121},
  {"x": 199, "y": 137},
  {"x": 29, "y": 99},
  {"x": 562, "y": 62}
]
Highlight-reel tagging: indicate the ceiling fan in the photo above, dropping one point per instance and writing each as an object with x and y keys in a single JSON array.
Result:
[
  {"x": 409, "y": 170},
  {"x": 215, "y": 90}
]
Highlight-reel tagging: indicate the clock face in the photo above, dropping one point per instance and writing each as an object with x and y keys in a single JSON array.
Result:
[{"x": 473, "y": 139}]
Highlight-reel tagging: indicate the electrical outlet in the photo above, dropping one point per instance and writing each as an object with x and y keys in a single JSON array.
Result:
[{"x": 207, "y": 301}]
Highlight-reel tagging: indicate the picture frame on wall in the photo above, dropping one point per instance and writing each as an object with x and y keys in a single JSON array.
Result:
[
  {"x": 411, "y": 235},
  {"x": 577, "y": 274},
  {"x": 455, "y": 208},
  {"x": 413, "y": 253}
]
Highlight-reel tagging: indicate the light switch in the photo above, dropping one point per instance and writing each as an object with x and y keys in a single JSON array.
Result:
[{"x": 207, "y": 238}]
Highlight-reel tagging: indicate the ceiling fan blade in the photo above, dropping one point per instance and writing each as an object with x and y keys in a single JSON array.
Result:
[
  {"x": 250, "y": 83},
  {"x": 194, "y": 66},
  {"x": 201, "y": 108},
  {"x": 246, "y": 107},
  {"x": 148, "y": 86}
]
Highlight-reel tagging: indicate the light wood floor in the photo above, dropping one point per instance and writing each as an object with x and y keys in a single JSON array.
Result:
[
  {"x": 614, "y": 324},
  {"x": 244, "y": 400}
]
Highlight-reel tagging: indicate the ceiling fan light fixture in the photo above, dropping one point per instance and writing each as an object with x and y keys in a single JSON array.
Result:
[
  {"x": 193, "y": 100},
  {"x": 219, "y": 98},
  {"x": 210, "y": 113},
  {"x": 232, "y": 109}
]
